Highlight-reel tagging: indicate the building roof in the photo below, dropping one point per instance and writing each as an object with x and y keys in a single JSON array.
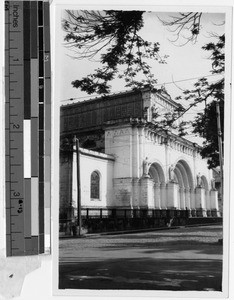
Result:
[{"x": 160, "y": 92}]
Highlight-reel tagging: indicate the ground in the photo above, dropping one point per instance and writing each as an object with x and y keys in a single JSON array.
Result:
[{"x": 182, "y": 259}]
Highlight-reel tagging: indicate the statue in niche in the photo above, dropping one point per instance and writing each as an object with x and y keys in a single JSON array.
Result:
[
  {"x": 199, "y": 180},
  {"x": 146, "y": 166},
  {"x": 172, "y": 173}
]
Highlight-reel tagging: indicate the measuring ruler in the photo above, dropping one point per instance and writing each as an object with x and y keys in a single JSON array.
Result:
[{"x": 27, "y": 126}]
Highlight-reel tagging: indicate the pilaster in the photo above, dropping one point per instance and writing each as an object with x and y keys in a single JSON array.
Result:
[
  {"x": 214, "y": 206},
  {"x": 135, "y": 153},
  {"x": 123, "y": 192},
  {"x": 74, "y": 183},
  {"x": 157, "y": 195},
  {"x": 200, "y": 202},
  {"x": 172, "y": 195},
  {"x": 147, "y": 195},
  {"x": 163, "y": 190},
  {"x": 136, "y": 192},
  {"x": 187, "y": 198},
  {"x": 182, "y": 198}
]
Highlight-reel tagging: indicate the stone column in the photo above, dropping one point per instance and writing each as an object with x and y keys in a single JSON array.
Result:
[
  {"x": 187, "y": 198},
  {"x": 188, "y": 201},
  {"x": 193, "y": 202},
  {"x": 157, "y": 195},
  {"x": 135, "y": 153},
  {"x": 208, "y": 202},
  {"x": 172, "y": 195},
  {"x": 141, "y": 154},
  {"x": 179, "y": 196},
  {"x": 147, "y": 197},
  {"x": 163, "y": 195},
  {"x": 182, "y": 198},
  {"x": 136, "y": 192},
  {"x": 200, "y": 202},
  {"x": 214, "y": 203},
  {"x": 74, "y": 183}
]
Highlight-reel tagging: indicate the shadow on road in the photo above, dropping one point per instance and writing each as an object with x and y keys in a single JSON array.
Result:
[
  {"x": 166, "y": 247},
  {"x": 182, "y": 260},
  {"x": 142, "y": 274}
]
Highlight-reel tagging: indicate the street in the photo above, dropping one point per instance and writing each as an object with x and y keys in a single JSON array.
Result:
[{"x": 184, "y": 259}]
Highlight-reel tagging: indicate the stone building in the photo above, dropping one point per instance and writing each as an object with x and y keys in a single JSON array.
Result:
[{"x": 127, "y": 161}]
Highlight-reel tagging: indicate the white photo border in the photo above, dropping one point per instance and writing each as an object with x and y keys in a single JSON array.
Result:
[{"x": 207, "y": 6}]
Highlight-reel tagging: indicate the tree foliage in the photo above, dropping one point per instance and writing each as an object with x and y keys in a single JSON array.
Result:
[
  {"x": 184, "y": 25},
  {"x": 113, "y": 38},
  {"x": 187, "y": 26},
  {"x": 205, "y": 123},
  {"x": 206, "y": 126}
]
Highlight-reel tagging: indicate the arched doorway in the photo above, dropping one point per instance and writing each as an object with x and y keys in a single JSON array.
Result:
[
  {"x": 185, "y": 188},
  {"x": 156, "y": 174}
]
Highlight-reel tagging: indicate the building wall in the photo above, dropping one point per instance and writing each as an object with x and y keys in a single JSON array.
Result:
[
  {"x": 91, "y": 161},
  {"x": 143, "y": 165},
  {"x": 132, "y": 146}
]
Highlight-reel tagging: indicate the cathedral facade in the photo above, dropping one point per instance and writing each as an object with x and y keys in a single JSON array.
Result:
[{"x": 127, "y": 161}]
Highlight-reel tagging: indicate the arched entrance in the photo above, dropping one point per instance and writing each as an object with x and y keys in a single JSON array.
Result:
[
  {"x": 185, "y": 185},
  {"x": 159, "y": 187}
]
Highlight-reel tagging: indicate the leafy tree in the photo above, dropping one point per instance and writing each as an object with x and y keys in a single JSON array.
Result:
[
  {"x": 206, "y": 126},
  {"x": 113, "y": 37},
  {"x": 189, "y": 22},
  {"x": 205, "y": 123}
]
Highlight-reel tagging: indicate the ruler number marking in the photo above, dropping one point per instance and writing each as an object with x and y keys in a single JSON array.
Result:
[
  {"x": 46, "y": 57},
  {"x": 16, "y": 194},
  {"x": 16, "y": 126},
  {"x": 20, "y": 209}
]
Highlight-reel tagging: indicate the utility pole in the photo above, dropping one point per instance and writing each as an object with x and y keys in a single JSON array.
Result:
[
  {"x": 220, "y": 143},
  {"x": 77, "y": 149}
]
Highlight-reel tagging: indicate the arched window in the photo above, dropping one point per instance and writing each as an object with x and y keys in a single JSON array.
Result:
[{"x": 95, "y": 185}]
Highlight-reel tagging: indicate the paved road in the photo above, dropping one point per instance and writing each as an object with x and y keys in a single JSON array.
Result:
[{"x": 182, "y": 259}]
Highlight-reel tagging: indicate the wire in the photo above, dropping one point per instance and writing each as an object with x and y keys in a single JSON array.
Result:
[{"x": 158, "y": 84}]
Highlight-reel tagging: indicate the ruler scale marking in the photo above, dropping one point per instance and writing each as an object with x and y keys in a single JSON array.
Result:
[
  {"x": 41, "y": 125},
  {"x": 47, "y": 125},
  {"x": 7, "y": 136},
  {"x": 16, "y": 126},
  {"x": 27, "y": 126},
  {"x": 35, "y": 129}
]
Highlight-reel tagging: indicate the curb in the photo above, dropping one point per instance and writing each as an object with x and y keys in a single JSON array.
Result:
[{"x": 86, "y": 235}]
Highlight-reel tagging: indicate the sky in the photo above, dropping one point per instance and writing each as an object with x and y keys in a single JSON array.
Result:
[{"x": 184, "y": 66}]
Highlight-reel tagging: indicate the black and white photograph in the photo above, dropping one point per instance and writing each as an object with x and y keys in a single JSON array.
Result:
[
  {"x": 117, "y": 132},
  {"x": 141, "y": 152}
]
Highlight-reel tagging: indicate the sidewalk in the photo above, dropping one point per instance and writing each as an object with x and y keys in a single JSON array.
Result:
[{"x": 83, "y": 235}]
